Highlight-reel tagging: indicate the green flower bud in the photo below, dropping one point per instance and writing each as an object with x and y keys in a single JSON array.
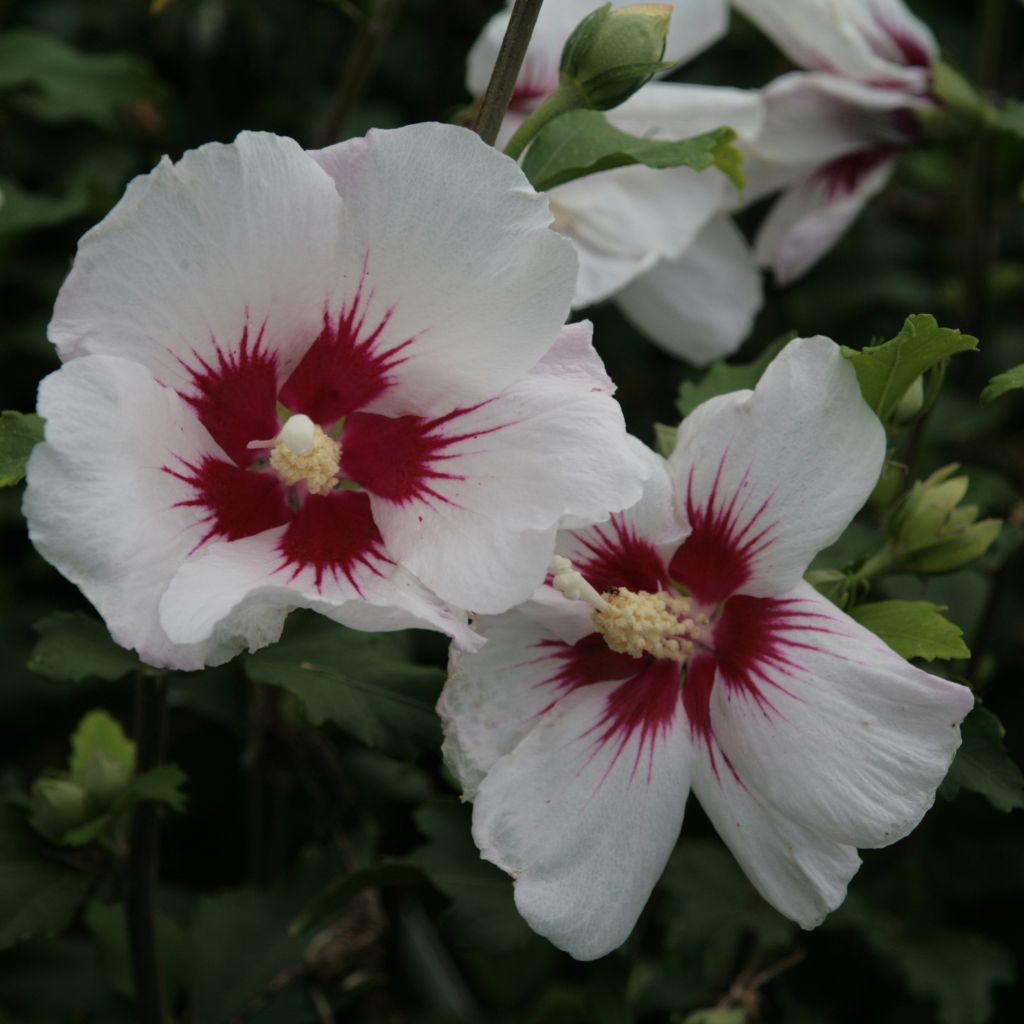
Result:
[
  {"x": 612, "y": 53},
  {"x": 932, "y": 532},
  {"x": 103, "y": 777},
  {"x": 58, "y": 806},
  {"x": 910, "y": 404}
]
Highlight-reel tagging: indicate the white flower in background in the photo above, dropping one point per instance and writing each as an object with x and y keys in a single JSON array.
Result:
[
  {"x": 678, "y": 647},
  {"x": 654, "y": 240},
  {"x": 832, "y": 136},
  {"x": 334, "y": 380}
]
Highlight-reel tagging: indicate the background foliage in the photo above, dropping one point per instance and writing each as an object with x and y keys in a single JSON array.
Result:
[{"x": 316, "y": 863}]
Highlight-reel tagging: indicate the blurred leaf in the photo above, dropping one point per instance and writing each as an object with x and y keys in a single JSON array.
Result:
[
  {"x": 983, "y": 765},
  {"x": 74, "y": 645},
  {"x": 388, "y": 779},
  {"x": 20, "y": 432},
  {"x": 1011, "y": 118},
  {"x": 56, "y": 83},
  {"x": 885, "y": 372},
  {"x": 665, "y": 439},
  {"x": 913, "y": 629},
  {"x": 100, "y": 732},
  {"x": 732, "y": 1016},
  {"x": 38, "y": 895},
  {"x": 365, "y": 683},
  {"x": 582, "y": 142},
  {"x": 23, "y": 211},
  {"x": 1012, "y": 380},
  {"x": 724, "y": 378},
  {"x": 162, "y": 784}
]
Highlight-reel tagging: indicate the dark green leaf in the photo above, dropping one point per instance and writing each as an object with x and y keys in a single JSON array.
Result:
[
  {"x": 731, "y": 1016},
  {"x": 365, "y": 683},
  {"x": 723, "y": 378},
  {"x": 982, "y": 764},
  {"x": 56, "y": 83},
  {"x": 1012, "y": 380},
  {"x": 1011, "y": 118},
  {"x": 886, "y": 371},
  {"x": 164, "y": 784},
  {"x": 20, "y": 432},
  {"x": 913, "y": 629},
  {"x": 582, "y": 142},
  {"x": 21, "y": 210},
  {"x": 73, "y": 646}
]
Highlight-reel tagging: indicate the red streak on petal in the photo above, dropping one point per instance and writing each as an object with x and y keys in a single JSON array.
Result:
[
  {"x": 619, "y": 557},
  {"x": 334, "y": 535},
  {"x": 234, "y": 395},
  {"x": 842, "y": 177},
  {"x": 584, "y": 663},
  {"x": 347, "y": 367},
  {"x": 717, "y": 558},
  {"x": 238, "y": 503},
  {"x": 401, "y": 459}
]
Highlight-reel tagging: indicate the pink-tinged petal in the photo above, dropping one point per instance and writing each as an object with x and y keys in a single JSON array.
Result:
[
  {"x": 236, "y": 595},
  {"x": 799, "y": 872},
  {"x": 825, "y": 723},
  {"x": 624, "y": 221},
  {"x": 768, "y": 478},
  {"x": 213, "y": 272},
  {"x": 677, "y": 110},
  {"x": 450, "y": 265},
  {"x": 700, "y": 306},
  {"x": 805, "y": 223},
  {"x": 495, "y": 696},
  {"x": 584, "y": 812},
  {"x": 104, "y": 509},
  {"x": 470, "y": 501},
  {"x": 876, "y": 41}
]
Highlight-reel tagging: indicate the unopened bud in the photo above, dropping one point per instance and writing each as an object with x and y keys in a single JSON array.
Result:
[
  {"x": 612, "y": 53},
  {"x": 103, "y": 778},
  {"x": 58, "y": 806},
  {"x": 908, "y": 407}
]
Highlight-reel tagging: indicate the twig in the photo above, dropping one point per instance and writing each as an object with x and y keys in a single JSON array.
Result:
[
  {"x": 362, "y": 58},
  {"x": 506, "y": 69},
  {"x": 150, "y": 732}
]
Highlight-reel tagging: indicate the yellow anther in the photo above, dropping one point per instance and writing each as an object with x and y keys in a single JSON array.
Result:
[
  {"x": 641, "y": 623},
  {"x": 318, "y": 465}
]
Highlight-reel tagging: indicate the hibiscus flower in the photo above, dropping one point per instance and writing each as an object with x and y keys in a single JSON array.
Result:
[{"x": 677, "y": 647}]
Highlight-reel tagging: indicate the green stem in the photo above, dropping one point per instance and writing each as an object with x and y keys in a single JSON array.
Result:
[
  {"x": 506, "y": 69},
  {"x": 561, "y": 101},
  {"x": 150, "y": 734},
  {"x": 877, "y": 565}
]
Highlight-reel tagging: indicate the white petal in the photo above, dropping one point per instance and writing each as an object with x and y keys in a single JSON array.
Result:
[
  {"x": 584, "y": 813},
  {"x": 800, "y": 873},
  {"x": 236, "y": 595},
  {"x": 479, "y": 526},
  {"x": 701, "y": 305},
  {"x": 677, "y": 110},
  {"x": 100, "y": 504},
  {"x": 449, "y": 251},
  {"x": 807, "y": 221},
  {"x": 773, "y": 476},
  {"x": 230, "y": 239},
  {"x": 826, "y": 724}
]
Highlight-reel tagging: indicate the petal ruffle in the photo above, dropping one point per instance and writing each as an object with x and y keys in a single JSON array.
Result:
[
  {"x": 700, "y": 306},
  {"x": 825, "y": 723},
  {"x": 771, "y": 477},
  {"x": 584, "y": 812}
]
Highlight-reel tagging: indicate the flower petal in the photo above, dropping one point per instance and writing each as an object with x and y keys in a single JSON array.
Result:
[
  {"x": 678, "y": 110},
  {"x": 771, "y": 477},
  {"x": 800, "y": 873},
  {"x": 470, "y": 502},
  {"x": 236, "y": 594},
  {"x": 825, "y": 723},
  {"x": 584, "y": 812},
  {"x": 452, "y": 271},
  {"x": 805, "y": 223},
  {"x": 214, "y": 272},
  {"x": 701, "y": 305},
  {"x": 105, "y": 503}
]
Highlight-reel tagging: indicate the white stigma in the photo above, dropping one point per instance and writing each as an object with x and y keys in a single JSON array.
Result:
[
  {"x": 571, "y": 583},
  {"x": 303, "y": 452},
  {"x": 298, "y": 434}
]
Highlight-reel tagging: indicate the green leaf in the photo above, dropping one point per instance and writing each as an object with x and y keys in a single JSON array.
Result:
[
  {"x": 724, "y": 378},
  {"x": 20, "y": 432},
  {"x": 1011, "y": 118},
  {"x": 365, "y": 683},
  {"x": 38, "y": 895},
  {"x": 733, "y": 1016},
  {"x": 55, "y": 83},
  {"x": 100, "y": 733},
  {"x": 1012, "y": 380},
  {"x": 73, "y": 646},
  {"x": 162, "y": 784},
  {"x": 885, "y": 372},
  {"x": 983, "y": 765},
  {"x": 582, "y": 142},
  {"x": 913, "y": 629},
  {"x": 23, "y": 211}
]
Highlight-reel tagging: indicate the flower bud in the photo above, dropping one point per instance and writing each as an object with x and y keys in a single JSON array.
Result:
[
  {"x": 103, "y": 777},
  {"x": 908, "y": 407},
  {"x": 58, "y": 805},
  {"x": 933, "y": 532},
  {"x": 612, "y": 53}
]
